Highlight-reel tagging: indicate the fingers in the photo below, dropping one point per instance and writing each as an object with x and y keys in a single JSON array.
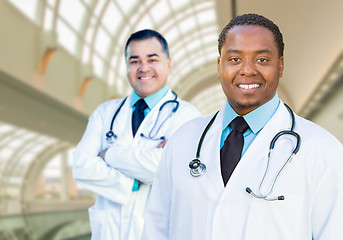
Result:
[
  {"x": 103, "y": 153},
  {"x": 162, "y": 144}
]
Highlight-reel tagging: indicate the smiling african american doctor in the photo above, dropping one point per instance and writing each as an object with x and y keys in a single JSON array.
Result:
[{"x": 184, "y": 206}]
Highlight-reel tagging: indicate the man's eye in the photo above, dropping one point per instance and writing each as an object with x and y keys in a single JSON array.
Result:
[
  {"x": 234, "y": 59},
  {"x": 133, "y": 62},
  {"x": 262, "y": 60},
  {"x": 152, "y": 60}
]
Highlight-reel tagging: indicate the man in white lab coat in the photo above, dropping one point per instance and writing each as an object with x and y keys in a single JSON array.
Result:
[
  {"x": 258, "y": 202},
  {"x": 120, "y": 150}
]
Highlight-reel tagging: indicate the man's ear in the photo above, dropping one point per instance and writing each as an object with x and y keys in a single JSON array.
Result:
[
  {"x": 218, "y": 67},
  {"x": 281, "y": 65},
  {"x": 169, "y": 65}
]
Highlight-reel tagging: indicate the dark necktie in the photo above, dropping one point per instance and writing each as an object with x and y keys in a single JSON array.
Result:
[
  {"x": 231, "y": 151},
  {"x": 138, "y": 115}
]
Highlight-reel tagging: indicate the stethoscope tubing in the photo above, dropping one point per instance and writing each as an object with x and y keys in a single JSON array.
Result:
[
  {"x": 158, "y": 115},
  {"x": 116, "y": 113},
  {"x": 110, "y": 134},
  {"x": 204, "y": 134},
  {"x": 197, "y": 168}
]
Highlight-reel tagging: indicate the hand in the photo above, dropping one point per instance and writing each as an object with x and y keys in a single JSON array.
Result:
[
  {"x": 103, "y": 153},
  {"x": 162, "y": 144}
]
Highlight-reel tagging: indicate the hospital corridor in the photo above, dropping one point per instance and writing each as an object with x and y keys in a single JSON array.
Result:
[{"x": 60, "y": 59}]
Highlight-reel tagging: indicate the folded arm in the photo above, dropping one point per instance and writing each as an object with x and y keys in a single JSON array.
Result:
[
  {"x": 92, "y": 172},
  {"x": 138, "y": 162}
]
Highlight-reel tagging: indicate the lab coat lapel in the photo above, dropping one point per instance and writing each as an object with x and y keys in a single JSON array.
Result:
[
  {"x": 122, "y": 126},
  {"x": 210, "y": 152}
]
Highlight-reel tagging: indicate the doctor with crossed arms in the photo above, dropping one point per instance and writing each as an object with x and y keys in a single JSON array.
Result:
[{"x": 120, "y": 150}]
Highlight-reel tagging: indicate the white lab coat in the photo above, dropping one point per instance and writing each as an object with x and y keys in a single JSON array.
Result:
[
  {"x": 118, "y": 212},
  {"x": 182, "y": 207}
]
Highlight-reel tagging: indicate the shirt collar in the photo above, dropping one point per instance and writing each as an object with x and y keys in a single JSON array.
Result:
[
  {"x": 150, "y": 100},
  {"x": 257, "y": 118}
]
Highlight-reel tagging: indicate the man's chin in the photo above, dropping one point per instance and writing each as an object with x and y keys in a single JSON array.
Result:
[
  {"x": 246, "y": 107},
  {"x": 145, "y": 93}
]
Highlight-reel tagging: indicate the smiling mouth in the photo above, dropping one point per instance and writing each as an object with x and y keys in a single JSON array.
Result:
[
  {"x": 249, "y": 86},
  {"x": 145, "y": 77}
]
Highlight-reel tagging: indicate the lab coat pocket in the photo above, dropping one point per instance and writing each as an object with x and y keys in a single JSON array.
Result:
[
  {"x": 137, "y": 228},
  {"x": 280, "y": 219},
  {"x": 102, "y": 225},
  {"x": 150, "y": 143}
]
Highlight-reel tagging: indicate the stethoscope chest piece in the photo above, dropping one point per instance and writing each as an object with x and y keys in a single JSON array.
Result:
[
  {"x": 110, "y": 137},
  {"x": 197, "y": 168}
]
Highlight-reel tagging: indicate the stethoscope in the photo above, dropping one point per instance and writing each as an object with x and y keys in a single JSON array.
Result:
[
  {"x": 111, "y": 136},
  {"x": 197, "y": 168}
]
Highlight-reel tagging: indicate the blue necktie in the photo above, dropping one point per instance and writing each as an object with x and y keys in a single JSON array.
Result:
[
  {"x": 138, "y": 115},
  {"x": 137, "y": 118},
  {"x": 231, "y": 152}
]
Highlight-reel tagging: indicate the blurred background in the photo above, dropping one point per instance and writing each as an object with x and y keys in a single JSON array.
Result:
[{"x": 59, "y": 59}]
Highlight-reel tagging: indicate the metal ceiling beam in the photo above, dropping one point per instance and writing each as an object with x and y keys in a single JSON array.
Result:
[
  {"x": 27, "y": 107},
  {"x": 330, "y": 84}
]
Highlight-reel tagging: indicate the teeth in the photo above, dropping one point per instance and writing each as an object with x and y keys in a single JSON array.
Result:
[
  {"x": 249, "y": 86},
  {"x": 145, "y": 78}
]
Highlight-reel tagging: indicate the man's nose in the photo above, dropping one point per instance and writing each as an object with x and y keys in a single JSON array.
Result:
[
  {"x": 144, "y": 67},
  {"x": 248, "y": 68}
]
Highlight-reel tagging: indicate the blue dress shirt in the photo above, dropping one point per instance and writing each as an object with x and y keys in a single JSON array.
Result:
[
  {"x": 151, "y": 100},
  {"x": 256, "y": 120}
]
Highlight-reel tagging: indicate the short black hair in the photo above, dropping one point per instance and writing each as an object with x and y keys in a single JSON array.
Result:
[
  {"x": 253, "y": 19},
  {"x": 147, "y": 34}
]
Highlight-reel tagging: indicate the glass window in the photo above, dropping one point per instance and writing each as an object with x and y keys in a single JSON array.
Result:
[
  {"x": 98, "y": 65},
  {"x": 187, "y": 25},
  {"x": 73, "y": 12},
  {"x": 176, "y": 4},
  {"x": 86, "y": 54},
  {"x": 112, "y": 18},
  {"x": 66, "y": 37},
  {"x": 110, "y": 79},
  {"x": 90, "y": 32},
  {"x": 208, "y": 16},
  {"x": 99, "y": 7},
  {"x": 48, "y": 19},
  {"x": 144, "y": 23},
  {"x": 52, "y": 3},
  {"x": 28, "y": 7},
  {"x": 102, "y": 43},
  {"x": 172, "y": 35},
  {"x": 160, "y": 11},
  {"x": 128, "y": 5}
]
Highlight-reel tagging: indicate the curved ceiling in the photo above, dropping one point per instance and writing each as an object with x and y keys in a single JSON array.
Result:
[{"x": 94, "y": 33}]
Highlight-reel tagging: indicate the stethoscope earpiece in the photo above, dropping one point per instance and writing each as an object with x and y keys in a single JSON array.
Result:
[
  {"x": 264, "y": 197},
  {"x": 157, "y": 139}
]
